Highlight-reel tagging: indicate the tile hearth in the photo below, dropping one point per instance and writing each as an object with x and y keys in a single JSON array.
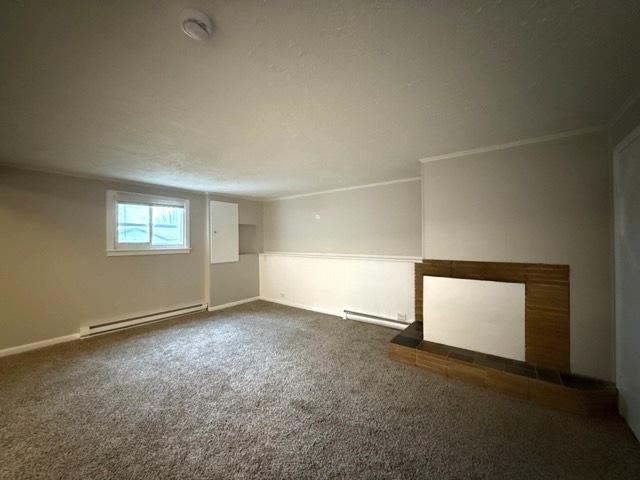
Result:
[{"x": 560, "y": 390}]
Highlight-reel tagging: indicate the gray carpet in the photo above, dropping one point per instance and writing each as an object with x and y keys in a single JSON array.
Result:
[{"x": 265, "y": 391}]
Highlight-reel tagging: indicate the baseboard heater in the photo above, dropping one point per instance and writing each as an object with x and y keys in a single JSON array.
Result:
[
  {"x": 374, "y": 319},
  {"x": 139, "y": 320}
]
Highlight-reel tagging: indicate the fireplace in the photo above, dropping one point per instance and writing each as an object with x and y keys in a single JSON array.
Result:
[
  {"x": 544, "y": 377},
  {"x": 479, "y": 315},
  {"x": 546, "y": 315}
]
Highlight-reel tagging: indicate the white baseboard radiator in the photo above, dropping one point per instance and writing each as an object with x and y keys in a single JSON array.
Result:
[
  {"x": 374, "y": 319},
  {"x": 87, "y": 331}
]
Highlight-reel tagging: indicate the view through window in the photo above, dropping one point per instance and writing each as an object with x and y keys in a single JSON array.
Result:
[{"x": 143, "y": 222}]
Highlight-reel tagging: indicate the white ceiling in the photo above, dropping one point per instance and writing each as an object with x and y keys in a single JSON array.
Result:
[{"x": 298, "y": 96}]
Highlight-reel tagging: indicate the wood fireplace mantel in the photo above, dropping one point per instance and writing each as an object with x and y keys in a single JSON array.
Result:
[{"x": 547, "y": 340}]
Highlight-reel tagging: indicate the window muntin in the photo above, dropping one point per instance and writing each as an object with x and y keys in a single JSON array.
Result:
[{"x": 138, "y": 223}]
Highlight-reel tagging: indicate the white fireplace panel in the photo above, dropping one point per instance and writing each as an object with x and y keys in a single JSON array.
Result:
[{"x": 477, "y": 315}]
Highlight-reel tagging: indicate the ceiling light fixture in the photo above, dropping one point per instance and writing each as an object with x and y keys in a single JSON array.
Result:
[{"x": 196, "y": 24}]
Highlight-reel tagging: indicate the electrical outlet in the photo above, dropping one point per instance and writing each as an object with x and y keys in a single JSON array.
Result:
[{"x": 402, "y": 317}]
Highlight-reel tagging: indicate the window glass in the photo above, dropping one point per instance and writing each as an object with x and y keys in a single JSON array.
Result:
[
  {"x": 168, "y": 224},
  {"x": 140, "y": 224},
  {"x": 133, "y": 223}
]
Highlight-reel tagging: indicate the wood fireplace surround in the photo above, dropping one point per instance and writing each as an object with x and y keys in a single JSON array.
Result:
[
  {"x": 545, "y": 377},
  {"x": 547, "y": 340}
]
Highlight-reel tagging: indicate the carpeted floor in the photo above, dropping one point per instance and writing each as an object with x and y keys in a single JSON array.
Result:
[{"x": 265, "y": 391}]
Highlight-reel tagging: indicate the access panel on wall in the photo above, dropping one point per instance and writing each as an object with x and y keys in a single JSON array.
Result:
[{"x": 225, "y": 246}]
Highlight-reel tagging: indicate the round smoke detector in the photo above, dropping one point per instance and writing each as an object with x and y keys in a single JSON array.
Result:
[{"x": 196, "y": 24}]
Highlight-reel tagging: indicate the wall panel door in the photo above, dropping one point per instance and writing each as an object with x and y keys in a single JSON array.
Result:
[
  {"x": 225, "y": 245},
  {"x": 627, "y": 262}
]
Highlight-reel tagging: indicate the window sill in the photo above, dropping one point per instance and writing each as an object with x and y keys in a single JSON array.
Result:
[{"x": 159, "y": 251}]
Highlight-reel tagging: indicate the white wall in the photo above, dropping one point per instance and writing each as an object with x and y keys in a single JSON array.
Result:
[
  {"x": 547, "y": 202},
  {"x": 314, "y": 233},
  {"x": 331, "y": 284}
]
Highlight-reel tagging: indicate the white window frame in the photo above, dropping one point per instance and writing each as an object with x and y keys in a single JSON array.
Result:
[{"x": 115, "y": 249}]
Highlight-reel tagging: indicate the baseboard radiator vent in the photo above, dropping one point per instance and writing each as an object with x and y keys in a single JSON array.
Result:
[
  {"x": 90, "y": 330},
  {"x": 374, "y": 319}
]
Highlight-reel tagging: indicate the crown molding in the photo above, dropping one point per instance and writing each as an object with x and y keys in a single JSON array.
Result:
[
  {"x": 344, "y": 189},
  {"x": 633, "y": 98},
  {"x": 518, "y": 143}
]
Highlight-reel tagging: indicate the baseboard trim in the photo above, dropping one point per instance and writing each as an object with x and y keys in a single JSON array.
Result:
[
  {"x": 139, "y": 320},
  {"x": 336, "y": 313},
  {"x": 232, "y": 304},
  {"x": 374, "y": 320},
  {"x": 83, "y": 331},
  {"x": 37, "y": 345}
]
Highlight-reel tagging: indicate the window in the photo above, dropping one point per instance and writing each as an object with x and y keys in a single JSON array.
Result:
[{"x": 140, "y": 224}]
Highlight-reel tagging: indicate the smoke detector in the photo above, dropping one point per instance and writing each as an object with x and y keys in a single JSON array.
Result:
[{"x": 196, "y": 24}]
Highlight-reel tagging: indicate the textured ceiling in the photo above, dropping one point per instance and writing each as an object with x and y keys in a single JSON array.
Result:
[{"x": 297, "y": 96}]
